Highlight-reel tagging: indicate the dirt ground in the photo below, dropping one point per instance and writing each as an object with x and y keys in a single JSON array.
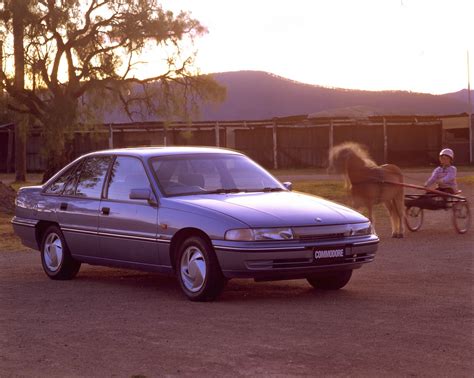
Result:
[{"x": 409, "y": 313}]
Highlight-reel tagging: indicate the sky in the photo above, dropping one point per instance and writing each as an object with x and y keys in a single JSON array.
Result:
[{"x": 411, "y": 45}]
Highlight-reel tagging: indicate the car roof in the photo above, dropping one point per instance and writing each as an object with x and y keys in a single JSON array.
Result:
[{"x": 162, "y": 151}]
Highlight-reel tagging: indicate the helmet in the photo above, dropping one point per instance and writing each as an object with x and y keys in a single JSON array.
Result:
[{"x": 448, "y": 152}]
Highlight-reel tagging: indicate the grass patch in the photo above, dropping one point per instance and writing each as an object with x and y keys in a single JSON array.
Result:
[
  {"x": 466, "y": 180},
  {"x": 335, "y": 191},
  {"x": 298, "y": 171},
  {"x": 8, "y": 178},
  {"x": 8, "y": 240},
  {"x": 17, "y": 185},
  {"x": 332, "y": 190}
]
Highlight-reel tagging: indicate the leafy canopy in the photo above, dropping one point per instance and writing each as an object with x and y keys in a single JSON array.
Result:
[{"x": 94, "y": 50}]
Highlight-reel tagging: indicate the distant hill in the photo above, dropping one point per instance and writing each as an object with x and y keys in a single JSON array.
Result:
[
  {"x": 460, "y": 95},
  {"x": 254, "y": 95}
]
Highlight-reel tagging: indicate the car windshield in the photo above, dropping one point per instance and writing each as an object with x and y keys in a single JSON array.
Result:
[{"x": 211, "y": 174}]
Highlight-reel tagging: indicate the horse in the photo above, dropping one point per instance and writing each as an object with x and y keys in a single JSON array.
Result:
[{"x": 370, "y": 184}]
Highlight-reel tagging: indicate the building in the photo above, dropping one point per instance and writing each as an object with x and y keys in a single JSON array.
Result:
[{"x": 290, "y": 142}]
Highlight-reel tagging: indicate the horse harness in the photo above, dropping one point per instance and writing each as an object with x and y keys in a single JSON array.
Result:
[{"x": 376, "y": 177}]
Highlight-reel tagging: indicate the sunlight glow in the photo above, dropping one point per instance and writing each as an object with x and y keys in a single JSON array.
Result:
[{"x": 413, "y": 45}]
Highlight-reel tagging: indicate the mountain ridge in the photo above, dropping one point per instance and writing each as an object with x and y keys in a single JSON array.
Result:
[
  {"x": 258, "y": 95},
  {"x": 253, "y": 95}
]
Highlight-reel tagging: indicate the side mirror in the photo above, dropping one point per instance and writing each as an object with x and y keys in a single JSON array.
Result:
[
  {"x": 143, "y": 194},
  {"x": 288, "y": 185}
]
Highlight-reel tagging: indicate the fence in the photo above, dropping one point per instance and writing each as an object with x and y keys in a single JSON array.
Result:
[{"x": 294, "y": 142}]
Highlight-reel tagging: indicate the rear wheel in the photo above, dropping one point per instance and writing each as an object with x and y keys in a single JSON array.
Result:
[
  {"x": 461, "y": 217},
  {"x": 414, "y": 218},
  {"x": 198, "y": 270},
  {"x": 330, "y": 280},
  {"x": 55, "y": 256}
]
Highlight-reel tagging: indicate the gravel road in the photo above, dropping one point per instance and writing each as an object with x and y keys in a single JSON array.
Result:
[{"x": 409, "y": 313}]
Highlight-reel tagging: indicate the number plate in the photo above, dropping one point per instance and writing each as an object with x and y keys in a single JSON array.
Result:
[{"x": 328, "y": 253}]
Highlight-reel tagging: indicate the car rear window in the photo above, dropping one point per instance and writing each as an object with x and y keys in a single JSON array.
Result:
[
  {"x": 92, "y": 176},
  {"x": 59, "y": 184}
]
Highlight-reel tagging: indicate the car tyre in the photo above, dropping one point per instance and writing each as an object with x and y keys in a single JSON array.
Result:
[
  {"x": 331, "y": 280},
  {"x": 56, "y": 258},
  {"x": 198, "y": 270}
]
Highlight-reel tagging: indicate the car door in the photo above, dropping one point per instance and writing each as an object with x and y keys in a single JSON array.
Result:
[
  {"x": 128, "y": 227},
  {"x": 78, "y": 207}
]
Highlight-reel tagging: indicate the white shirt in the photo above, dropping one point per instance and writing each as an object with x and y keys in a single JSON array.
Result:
[{"x": 445, "y": 177}]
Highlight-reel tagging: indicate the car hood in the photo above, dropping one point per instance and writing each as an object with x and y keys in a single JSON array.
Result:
[{"x": 278, "y": 209}]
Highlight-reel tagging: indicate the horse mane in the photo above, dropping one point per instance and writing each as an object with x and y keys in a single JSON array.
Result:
[{"x": 338, "y": 155}]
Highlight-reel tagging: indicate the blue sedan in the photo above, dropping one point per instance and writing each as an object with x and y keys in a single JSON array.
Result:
[{"x": 203, "y": 214}]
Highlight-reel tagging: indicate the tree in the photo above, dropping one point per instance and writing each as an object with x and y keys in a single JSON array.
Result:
[
  {"x": 78, "y": 53},
  {"x": 17, "y": 11}
]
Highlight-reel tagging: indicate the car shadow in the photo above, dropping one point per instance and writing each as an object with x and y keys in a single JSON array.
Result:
[{"x": 236, "y": 290}]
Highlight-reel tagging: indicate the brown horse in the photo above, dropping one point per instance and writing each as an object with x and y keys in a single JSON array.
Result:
[{"x": 369, "y": 183}]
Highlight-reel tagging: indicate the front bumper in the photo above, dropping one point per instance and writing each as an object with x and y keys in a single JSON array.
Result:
[{"x": 288, "y": 260}]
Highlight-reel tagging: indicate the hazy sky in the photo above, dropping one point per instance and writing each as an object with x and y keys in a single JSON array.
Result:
[{"x": 415, "y": 45}]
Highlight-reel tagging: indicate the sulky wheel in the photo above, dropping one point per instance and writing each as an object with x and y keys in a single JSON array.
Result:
[
  {"x": 461, "y": 217},
  {"x": 414, "y": 218}
]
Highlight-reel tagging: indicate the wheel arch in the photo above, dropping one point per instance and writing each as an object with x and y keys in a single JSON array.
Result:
[
  {"x": 40, "y": 229},
  {"x": 180, "y": 237}
]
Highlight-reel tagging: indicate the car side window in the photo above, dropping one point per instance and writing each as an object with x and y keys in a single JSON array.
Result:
[
  {"x": 60, "y": 183},
  {"x": 92, "y": 176},
  {"x": 71, "y": 184},
  {"x": 127, "y": 173}
]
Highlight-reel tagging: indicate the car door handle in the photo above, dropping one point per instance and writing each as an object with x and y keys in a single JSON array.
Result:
[
  {"x": 63, "y": 206},
  {"x": 105, "y": 210}
]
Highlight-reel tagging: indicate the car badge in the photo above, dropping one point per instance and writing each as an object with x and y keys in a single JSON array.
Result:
[{"x": 319, "y": 220}]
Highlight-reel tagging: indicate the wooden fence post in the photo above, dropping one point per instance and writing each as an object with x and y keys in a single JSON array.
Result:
[
  {"x": 111, "y": 136},
  {"x": 385, "y": 141},
  {"x": 230, "y": 137},
  {"x": 331, "y": 134},
  {"x": 218, "y": 136},
  {"x": 275, "y": 147}
]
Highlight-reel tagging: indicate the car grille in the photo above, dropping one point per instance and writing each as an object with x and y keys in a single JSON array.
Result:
[
  {"x": 317, "y": 233},
  {"x": 307, "y": 238},
  {"x": 359, "y": 258}
]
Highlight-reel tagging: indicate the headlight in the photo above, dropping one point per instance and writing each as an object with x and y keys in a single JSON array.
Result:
[
  {"x": 252, "y": 234},
  {"x": 361, "y": 229}
]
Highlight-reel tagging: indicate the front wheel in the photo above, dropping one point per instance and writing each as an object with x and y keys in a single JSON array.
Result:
[
  {"x": 198, "y": 270},
  {"x": 461, "y": 217},
  {"x": 414, "y": 218},
  {"x": 55, "y": 256},
  {"x": 330, "y": 280}
]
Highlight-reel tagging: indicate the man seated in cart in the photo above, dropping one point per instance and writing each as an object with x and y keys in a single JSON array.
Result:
[{"x": 444, "y": 175}]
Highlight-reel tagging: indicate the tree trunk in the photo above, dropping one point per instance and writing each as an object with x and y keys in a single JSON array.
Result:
[
  {"x": 21, "y": 125},
  {"x": 18, "y": 12}
]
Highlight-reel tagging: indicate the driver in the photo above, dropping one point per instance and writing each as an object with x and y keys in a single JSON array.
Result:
[{"x": 444, "y": 176}]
